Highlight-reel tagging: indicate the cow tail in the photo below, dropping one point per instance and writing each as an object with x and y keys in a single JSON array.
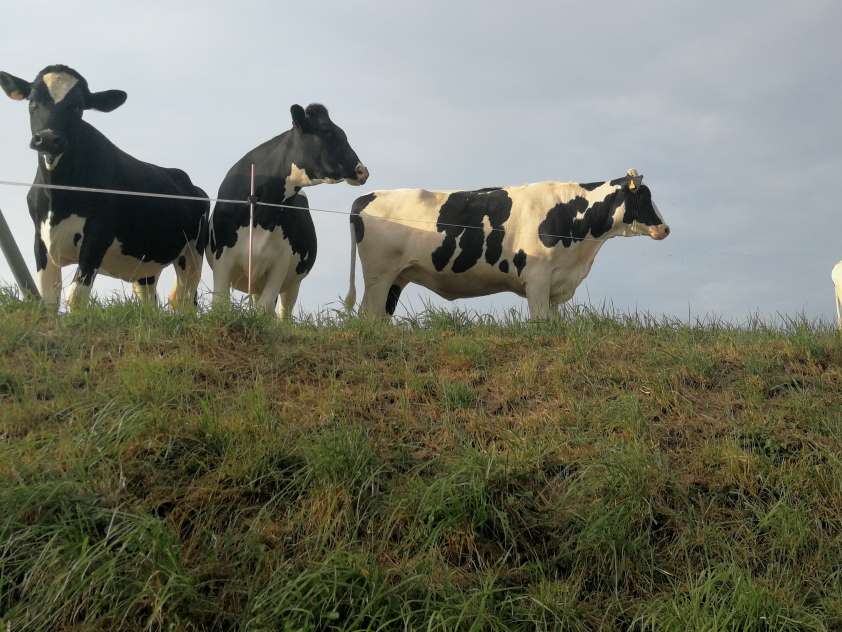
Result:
[{"x": 351, "y": 297}]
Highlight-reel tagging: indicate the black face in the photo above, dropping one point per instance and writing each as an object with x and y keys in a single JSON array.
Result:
[
  {"x": 641, "y": 209},
  {"x": 326, "y": 154},
  {"x": 57, "y": 98}
]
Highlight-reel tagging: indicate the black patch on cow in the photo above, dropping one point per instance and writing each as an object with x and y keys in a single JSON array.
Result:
[
  {"x": 182, "y": 262},
  {"x": 146, "y": 281},
  {"x": 562, "y": 224},
  {"x": 461, "y": 216},
  {"x": 504, "y": 266},
  {"x": 639, "y": 207},
  {"x": 296, "y": 223},
  {"x": 40, "y": 252},
  {"x": 619, "y": 182},
  {"x": 590, "y": 186},
  {"x": 520, "y": 261},
  {"x": 392, "y": 299},
  {"x": 356, "y": 208},
  {"x": 76, "y": 238}
]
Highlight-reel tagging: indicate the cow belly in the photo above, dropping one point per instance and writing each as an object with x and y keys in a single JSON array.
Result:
[
  {"x": 481, "y": 280},
  {"x": 126, "y": 267},
  {"x": 272, "y": 257}
]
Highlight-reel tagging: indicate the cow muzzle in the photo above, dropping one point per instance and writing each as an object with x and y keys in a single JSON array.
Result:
[
  {"x": 50, "y": 145},
  {"x": 659, "y": 232},
  {"x": 361, "y": 175}
]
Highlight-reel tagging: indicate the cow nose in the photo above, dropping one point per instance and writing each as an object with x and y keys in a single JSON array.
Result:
[
  {"x": 666, "y": 231},
  {"x": 362, "y": 173}
]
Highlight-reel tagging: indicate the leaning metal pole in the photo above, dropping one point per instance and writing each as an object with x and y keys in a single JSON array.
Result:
[{"x": 15, "y": 260}]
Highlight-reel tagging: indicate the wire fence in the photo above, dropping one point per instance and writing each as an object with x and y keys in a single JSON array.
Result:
[
  {"x": 253, "y": 201},
  {"x": 415, "y": 220}
]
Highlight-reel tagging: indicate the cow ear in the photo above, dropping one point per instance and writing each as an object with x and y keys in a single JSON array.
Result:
[
  {"x": 299, "y": 118},
  {"x": 107, "y": 100},
  {"x": 15, "y": 87}
]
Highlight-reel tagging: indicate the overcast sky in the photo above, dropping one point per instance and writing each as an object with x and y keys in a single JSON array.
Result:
[{"x": 730, "y": 110}]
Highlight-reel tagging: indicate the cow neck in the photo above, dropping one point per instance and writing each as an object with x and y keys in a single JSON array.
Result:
[
  {"x": 276, "y": 157},
  {"x": 86, "y": 144}
]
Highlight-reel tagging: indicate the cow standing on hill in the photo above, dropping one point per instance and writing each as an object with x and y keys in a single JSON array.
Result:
[
  {"x": 537, "y": 240},
  {"x": 127, "y": 237},
  {"x": 314, "y": 151}
]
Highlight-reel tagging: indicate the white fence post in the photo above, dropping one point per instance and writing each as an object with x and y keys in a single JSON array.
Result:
[{"x": 15, "y": 260}]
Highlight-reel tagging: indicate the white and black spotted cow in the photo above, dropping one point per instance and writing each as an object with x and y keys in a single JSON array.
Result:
[
  {"x": 314, "y": 151},
  {"x": 537, "y": 240},
  {"x": 127, "y": 237}
]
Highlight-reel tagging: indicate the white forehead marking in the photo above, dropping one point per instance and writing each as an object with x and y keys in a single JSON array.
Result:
[{"x": 59, "y": 84}]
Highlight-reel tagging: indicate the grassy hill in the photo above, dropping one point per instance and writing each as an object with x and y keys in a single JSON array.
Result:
[{"x": 165, "y": 471}]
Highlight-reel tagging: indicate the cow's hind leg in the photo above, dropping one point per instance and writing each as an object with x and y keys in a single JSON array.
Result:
[
  {"x": 393, "y": 296},
  {"x": 145, "y": 290},
  {"x": 376, "y": 297},
  {"x": 188, "y": 273},
  {"x": 289, "y": 295},
  {"x": 267, "y": 298}
]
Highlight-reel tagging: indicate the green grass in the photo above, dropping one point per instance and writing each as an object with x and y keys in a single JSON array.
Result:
[{"x": 452, "y": 471}]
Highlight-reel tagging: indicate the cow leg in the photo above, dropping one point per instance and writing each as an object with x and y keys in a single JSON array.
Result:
[
  {"x": 188, "y": 273},
  {"x": 221, "y": 282},
  {"x": 48, "y": 275},
  {"x": 267, "y": 298},
  {"x": 91, "y": 251},
  {"x": 376, "y": 296},
  {"x": 145, "y": 290},
  {"x": 288, "y": 297},
  {"x": 538, "y": 298},
  {"x": 394, "y": 296}
]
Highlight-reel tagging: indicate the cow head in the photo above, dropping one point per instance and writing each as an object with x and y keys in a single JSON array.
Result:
[
  {"x": 57, "y": 98},
  {"x": 641, "y": 216},
  {"x": 323, "y": 153}
]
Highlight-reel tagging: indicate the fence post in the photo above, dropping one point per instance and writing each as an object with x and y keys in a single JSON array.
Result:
[{"x": 15, "y": 260}]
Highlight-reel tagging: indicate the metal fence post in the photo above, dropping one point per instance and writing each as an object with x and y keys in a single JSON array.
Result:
[{"x": 15, "y": 260}]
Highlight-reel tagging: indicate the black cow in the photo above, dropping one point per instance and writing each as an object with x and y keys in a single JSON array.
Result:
[
  {"x": 314, "y": 151},
  {"x": 127, "y": 237}
]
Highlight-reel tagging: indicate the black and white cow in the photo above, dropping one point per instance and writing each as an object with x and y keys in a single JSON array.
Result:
[
  {"x": 537, "y": 240},
  {"x": 127, "y": 237},
  {"x": 314, "y": 151}
]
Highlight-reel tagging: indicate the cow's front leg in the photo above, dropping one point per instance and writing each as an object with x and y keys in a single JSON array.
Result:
[
  {"x": 145, "y": 290},
  {"x": 48, "y": 275},
  {"x": 538, "y": 298},
  {"x": 91, "y": 252}
]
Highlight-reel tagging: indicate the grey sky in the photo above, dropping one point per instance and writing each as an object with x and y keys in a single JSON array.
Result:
[{"x": 730, "y": 110}]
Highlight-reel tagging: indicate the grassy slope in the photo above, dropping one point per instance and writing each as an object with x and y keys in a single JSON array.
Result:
[{"x": 226, "y": 472}]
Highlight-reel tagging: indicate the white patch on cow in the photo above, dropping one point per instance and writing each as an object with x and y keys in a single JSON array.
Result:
[
  {"x": 60, "y": 240},
  {"x": 51, "y": 163},
  {"x": 59, "y": 84},
  {"x": 273, "y": 267},
  {"x": 128, "y": 268},
  {"x": 298, "y": 179}
]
